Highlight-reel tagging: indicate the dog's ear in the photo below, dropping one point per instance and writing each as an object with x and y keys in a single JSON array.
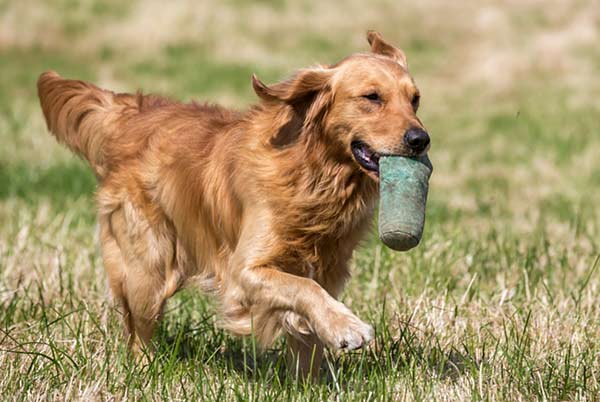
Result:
[
  {"x": 300, "y": 87},
  {"x": 380, "y": 46}
]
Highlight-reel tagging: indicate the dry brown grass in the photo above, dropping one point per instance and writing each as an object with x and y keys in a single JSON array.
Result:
[{"x": 498, "y": 303}]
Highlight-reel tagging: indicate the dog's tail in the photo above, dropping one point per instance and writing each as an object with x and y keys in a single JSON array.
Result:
[{"x": 82, "y": 116}]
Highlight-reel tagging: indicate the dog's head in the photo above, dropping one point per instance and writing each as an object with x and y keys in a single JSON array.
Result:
[{"x": 366, "y": 105}]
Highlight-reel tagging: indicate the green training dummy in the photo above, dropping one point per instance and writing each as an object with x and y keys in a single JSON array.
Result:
[{"x": 403, "y": 194}]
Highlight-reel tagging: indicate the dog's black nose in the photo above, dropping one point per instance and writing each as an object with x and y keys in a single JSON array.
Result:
[{"x": 416, "y": 139}]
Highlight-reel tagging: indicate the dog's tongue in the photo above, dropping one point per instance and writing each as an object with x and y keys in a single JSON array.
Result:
[{"x": 403, "y": 194}]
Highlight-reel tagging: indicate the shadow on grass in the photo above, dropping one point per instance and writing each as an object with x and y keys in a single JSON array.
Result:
[
  {"x": 202, "y": 342},
  {"x": 196, "y": 342}
]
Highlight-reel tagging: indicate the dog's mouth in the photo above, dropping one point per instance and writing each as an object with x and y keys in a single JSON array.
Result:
[{"x": 365, "y": 157}]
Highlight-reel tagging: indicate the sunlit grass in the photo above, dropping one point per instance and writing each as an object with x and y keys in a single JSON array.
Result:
[{"x": 499, "y": 302}]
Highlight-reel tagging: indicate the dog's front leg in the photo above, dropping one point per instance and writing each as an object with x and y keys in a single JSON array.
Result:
[
  {"x": 305, "y": 353},
  {"x": 332, "y": 322},
  {"x": 261, "y": 286}
]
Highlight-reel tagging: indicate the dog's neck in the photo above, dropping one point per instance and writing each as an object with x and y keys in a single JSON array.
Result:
[{"x": 326, "y": 202}]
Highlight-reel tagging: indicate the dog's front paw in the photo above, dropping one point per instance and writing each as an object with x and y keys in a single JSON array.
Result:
[{"x": 343, "y": 330}]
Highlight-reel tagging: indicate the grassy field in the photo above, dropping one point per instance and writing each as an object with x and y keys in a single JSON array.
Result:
[{"x": 499, "y": 302}]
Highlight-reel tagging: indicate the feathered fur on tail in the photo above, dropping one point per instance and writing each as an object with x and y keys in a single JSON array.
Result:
[{"x": 81, "y": 115}]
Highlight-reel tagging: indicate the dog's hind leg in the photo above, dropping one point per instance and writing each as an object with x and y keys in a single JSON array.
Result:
[
  {"x": 141, "y": 273},
  {"x": 114, "y": 265}
]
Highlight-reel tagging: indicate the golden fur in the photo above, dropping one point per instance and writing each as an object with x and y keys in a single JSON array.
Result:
[{"x": 262, "y": 209}]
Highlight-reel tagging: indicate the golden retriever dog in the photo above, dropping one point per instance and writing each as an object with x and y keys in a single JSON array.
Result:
[{"x": 262, "y": 209}]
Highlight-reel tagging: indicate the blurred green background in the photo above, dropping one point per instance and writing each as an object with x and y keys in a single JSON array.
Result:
[{"x": 511, "y": 98}]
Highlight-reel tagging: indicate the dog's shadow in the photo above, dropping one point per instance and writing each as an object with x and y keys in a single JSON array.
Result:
[
  {"x": 386, "y": 356},
  {"x": 209, "y": 345}
]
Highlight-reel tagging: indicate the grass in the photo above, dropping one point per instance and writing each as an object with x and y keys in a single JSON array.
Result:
[{"x": 499, "y": 302}]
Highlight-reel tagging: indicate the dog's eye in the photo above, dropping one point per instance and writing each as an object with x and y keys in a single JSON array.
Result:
[
  {"x": 373, "y": 97},
  {"x": 415, "y": 102}
]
